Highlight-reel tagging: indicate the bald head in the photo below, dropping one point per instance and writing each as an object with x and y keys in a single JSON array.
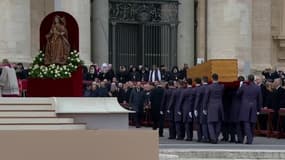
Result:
[{"x": 258, "y": 80}]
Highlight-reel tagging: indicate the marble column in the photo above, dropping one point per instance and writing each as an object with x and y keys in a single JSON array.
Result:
[
  {"x": 185, "y": 37},
  {"x": 261, "y": 34},
  {"x": 15, "y": 39},
  {"x": 201, "y": 30},
  {"x": 229, "y": 31},
  {"x": 80, "y": 10},
  {"x": 100, "y": 31},
  {"x": 39, "y": 9}
]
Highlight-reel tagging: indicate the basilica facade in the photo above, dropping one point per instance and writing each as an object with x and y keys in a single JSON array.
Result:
[{"x": 168, "y": 32}]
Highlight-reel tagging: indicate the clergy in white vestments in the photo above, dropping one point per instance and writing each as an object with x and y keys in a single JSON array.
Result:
[{"x": 8, "y": 80}]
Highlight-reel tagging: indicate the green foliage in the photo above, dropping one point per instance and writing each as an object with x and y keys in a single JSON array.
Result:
[{"x": 56, "y": 71}]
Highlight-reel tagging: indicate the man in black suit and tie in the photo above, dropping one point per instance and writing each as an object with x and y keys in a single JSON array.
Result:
[
  {"x": 154, "y": 74},
  {"x": 137, "y": 99},
  {"x": 278, "y": 100}
]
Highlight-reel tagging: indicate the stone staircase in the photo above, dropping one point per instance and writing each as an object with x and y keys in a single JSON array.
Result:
[{"x": 33, "y": 114}]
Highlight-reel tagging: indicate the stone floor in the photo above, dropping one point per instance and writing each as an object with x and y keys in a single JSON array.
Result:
[{"x": 263, "y": 148}]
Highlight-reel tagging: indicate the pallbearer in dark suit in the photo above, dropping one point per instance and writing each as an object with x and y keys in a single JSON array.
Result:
[
  {"x": 251, "y": 103},
  {"x": 176, "y": 105},
  {"x": 163, "y": 107},
  {"x": 155, "y": 98},
  {"x": 213, "y": 106},
  {"x": 170, "y": 110},
  {"x": 201, "y": 117},
  {"x": 234, "y": 114},
  {"x": 187, "y": 101}
]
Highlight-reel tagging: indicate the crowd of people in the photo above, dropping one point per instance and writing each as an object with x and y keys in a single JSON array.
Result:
[{"x": 183, "y": 104}]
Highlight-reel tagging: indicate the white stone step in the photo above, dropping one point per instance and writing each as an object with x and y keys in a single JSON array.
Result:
[
  {"x": 35, "y": 120},
  {"x": 26, "y": 107},
  {"x": 27, "y": 114},
  {"x": 10, "y": 127},
  {"x": 221, "y": 154}
]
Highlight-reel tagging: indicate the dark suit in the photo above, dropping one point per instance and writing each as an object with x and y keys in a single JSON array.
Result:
[
  {"x": 187, "y": 101},
  {"x": 137, "y": 99},
  {"x": 201, "y": 119},
  {"x": 163, "y": 110},
  {"x": 278, "y": 102},
  {"x": 177, "y": 112},
  {"x": 155, "y": 98},
  {"x": 251, "y": 103},
  {"x": 102, "y": 92},
  {"x": 213, "y": 104},
  {"x": 234, "y": 117}
]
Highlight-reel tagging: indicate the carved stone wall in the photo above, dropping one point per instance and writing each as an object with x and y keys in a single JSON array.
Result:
[{"x": 278, "y": 33}]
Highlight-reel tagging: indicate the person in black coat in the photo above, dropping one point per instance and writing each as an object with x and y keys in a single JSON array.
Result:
[
  {"x": 102, "y": 91},
  {"x": 163, "y": 107},
  {"x": 121, "y": 94},
  {"x": 94, "y": 90},
  {"x": 91, "y": 75},
  {"x": 21, "y": 72},
  {"x": 270, "y": 74},
  {"x": 144, "y": 75},
  {"x": 165, "y": 74},
  {"x": 169, "y": 110},
  {"x": 123, "y": 75},
  {"x": 175, "y": 75},
  {"x": 278, "y": 100},
  {"x": 155, "y": 98},
  {"x": 134, "y": 75},
  {"x": 137, "y": 100}
]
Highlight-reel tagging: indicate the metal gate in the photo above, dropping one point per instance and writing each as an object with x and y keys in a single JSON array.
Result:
[{"x": 143, "y": 32}]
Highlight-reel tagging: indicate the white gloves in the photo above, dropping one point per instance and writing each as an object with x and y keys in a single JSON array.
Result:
[
  {"x": 204, "y": 112},
  {"x": 161, "y": 112},
  {"x": 190, "y": 114},
  {"x": 179, "y": 113},
  {"x": 257, "y": 113},
  {"x": 196, "y": 113},
  {"x": 168, "y": 111},
  {"x": 240, "y": 83}
]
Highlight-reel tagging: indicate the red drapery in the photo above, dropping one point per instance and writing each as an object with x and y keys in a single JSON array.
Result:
[{"x": 69, "y": 87}]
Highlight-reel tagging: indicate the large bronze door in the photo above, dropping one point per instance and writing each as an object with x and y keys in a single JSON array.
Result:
[{"x": 143, "y": 32}]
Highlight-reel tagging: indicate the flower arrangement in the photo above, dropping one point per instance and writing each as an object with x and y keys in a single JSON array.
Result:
[{"x": 56, "y": 71}]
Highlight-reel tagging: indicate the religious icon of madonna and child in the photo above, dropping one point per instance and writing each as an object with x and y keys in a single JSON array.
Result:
[{"x": 57, "y": 47}]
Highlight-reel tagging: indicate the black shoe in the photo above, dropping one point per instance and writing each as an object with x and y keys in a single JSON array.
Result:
[
  {"x": 179, "y": 138},
  {"x": 161, "y": 136},
  {"x": 214, "y": 141},
  {"x": 171, "y": 138},
  {"x": 239, "y": 142},
  {"x": 248, "y": 143},
  {"x": 188, "y": 139},
  {"x": 233, "y": 141},
  {"x": 205, "y": 141}
]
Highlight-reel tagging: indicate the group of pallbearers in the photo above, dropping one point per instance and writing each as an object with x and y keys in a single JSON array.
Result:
[{"x": 183, "y": 106}]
